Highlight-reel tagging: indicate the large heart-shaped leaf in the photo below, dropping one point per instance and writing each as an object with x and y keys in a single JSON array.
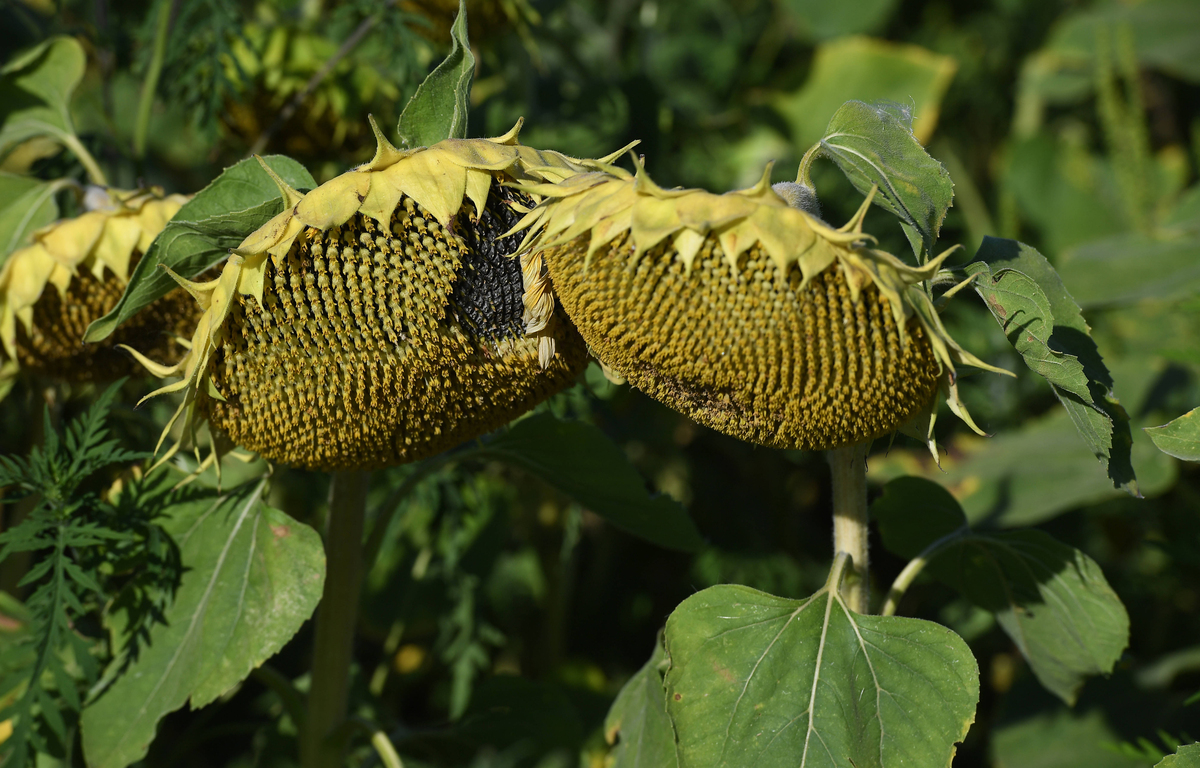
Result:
[
  {"x": 1051, "y": 599},
  {"x": 252, "y": 576},
  {"x": 757, "y": 680}
]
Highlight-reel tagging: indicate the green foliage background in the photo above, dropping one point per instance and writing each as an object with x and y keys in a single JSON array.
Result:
[{"x": 501, "y": 617}]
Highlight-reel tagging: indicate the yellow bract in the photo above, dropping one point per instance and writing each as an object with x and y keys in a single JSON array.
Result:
[
  {"x": 87, "y": 259},
  {"x": 744, "y": 313},
  {"x": 371, "y": 322}
]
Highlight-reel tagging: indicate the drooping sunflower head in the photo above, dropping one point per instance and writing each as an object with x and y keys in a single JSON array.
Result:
[
  {"x": 381, "y": 317},
  {"x": 747, "y": 314},
  {"x": 74, "y": 272}
]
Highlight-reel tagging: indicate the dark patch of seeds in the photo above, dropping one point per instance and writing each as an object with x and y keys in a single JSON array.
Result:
[{"x": 487, "y": 296}]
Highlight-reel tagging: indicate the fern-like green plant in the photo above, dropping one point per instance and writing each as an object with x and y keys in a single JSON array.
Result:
[{"x": 72, "y": 532}]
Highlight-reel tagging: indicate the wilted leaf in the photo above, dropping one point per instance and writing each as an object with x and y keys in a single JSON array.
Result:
[
  {"x": 762, "y": 681},
  {"x": 1179, "y": 438},
  {"x": 26, "y": 204},
  {"x": 252, "y": 576},
  {"x": 218, "y": 218},
  {"x": 1051, "y": 599},
  {"x": 35, "y": 92},
  {"x": 1044, "y": 324},
  {"x": 637, "y": 721},
  {"x": 438, "y": 110},
  {"x": 874, "y": 145},
  {"x": 867, "y": 70},
  {"x": 577, "y": 459}
]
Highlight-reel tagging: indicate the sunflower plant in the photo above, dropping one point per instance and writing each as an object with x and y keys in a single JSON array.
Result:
[{"x": 416, "y": 337}]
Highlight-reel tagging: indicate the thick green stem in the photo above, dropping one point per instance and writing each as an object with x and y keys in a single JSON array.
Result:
[
  {"x": 336, "y": 618},
  {"x": 849, "y": 465},
  {"x": 150, "y": 84}
]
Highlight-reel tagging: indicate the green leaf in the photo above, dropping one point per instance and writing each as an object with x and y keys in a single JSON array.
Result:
[
  {"x": 218, "y": 218},
  {"x": 1051, "y": 599},
  {"x": 438, "y": 110},
  {"x": 26, "y": 205},
  {"x": 867, "y": 70},
  {"x": 637, "y": 721},
  {"x": 1163, "y": 33},
  {"x": 1133, "y": 267},
  {"x": 1026, "y": 475},
  {"x": 820, "y": 20},
  {"x": 913, "y": 513},
  {"x": 1058, "y": 738},
  {"x": 874, "y": 145},
  {"x": 1058, "y": 188},
  {"x": 1179, "y": 438},
  {"x": 252, "y": 576},
  {"x": 577, "y": 459},
  {"x": 757, "y": 680},
  {"x": 35, "y": 91},
  {"x": 1044, "y": 324},
  {"x": 1187, "y": 757}
]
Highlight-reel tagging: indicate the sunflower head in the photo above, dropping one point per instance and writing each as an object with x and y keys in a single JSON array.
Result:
[
  {"x": 745, "y": 313},
  {"x": 381, "y": 317},
  {"x": 74, "y": 272}
]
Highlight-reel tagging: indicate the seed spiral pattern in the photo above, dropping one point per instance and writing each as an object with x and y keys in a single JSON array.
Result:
[
  {"x": 376, "y": 347},
  {"x": 54, "y": 347},
  {"x": 743, "y": 351}
]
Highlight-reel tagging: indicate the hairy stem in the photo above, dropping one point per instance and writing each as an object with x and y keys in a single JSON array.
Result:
[
  {"x": 333, "y": 649},
  {"x": 150, "y": 84},
  {"x": 849, "y": 465}
]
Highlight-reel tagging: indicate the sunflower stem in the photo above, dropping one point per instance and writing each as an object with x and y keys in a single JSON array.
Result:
[
  {"x": 333, "y": 649},
  {"x": 849, "y": 468}
]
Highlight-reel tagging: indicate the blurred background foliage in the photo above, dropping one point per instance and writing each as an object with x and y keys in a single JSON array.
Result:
[{"x": 500, "y": 618}]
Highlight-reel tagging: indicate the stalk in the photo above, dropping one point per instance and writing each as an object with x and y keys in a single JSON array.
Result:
[
  {"x": 333, "y": 651},
  {"x": 150, "y": 85},
  {"x": 94, "y": 172},
  {"x": 849, "y": 466},
  {"x": 914, "y": 568}
]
